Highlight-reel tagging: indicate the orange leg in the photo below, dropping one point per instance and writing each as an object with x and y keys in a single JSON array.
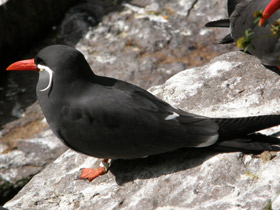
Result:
[{"x": 91, "y": 174}]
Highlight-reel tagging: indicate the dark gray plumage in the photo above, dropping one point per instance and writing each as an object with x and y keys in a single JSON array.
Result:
[{"x": 263, "y": 44}]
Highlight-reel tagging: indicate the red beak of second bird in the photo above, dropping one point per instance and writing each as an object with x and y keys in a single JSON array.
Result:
[{"x": 271, "y": 8}]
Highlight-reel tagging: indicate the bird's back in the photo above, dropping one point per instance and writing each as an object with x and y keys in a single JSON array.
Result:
[{"x": 120, "y": 120}]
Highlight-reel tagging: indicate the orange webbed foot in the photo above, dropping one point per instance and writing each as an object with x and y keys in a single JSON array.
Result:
[{"x": 91, "y": 173}]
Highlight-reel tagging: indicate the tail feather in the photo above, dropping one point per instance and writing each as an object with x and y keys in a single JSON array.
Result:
[
  {"x": 230, "y": 128},
  {"x": 251, "y": 143},
  {"x": 223, "y": 23},
  {"x": 227, "y": 40},
  {"x": 230, "y": 134}
]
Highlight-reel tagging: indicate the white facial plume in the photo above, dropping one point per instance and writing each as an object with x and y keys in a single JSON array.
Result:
[{"x": 50, "y": 72}]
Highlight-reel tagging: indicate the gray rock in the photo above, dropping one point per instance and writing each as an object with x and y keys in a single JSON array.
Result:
[
  {"x": 26, "y": 147},
  {"x": 27, "y": 159},
  {"x": 3, "y": 2},
  {"x": 234, "y": 84},
  {"x": 146, "y": 42}
]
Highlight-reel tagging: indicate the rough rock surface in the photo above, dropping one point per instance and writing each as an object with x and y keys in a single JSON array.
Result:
[
  {"x": 228, "y": 85},
  {"x": 148, "y": 41},
  {"x": 26, "y": 146},
  {"x": 234, "y": 84}
]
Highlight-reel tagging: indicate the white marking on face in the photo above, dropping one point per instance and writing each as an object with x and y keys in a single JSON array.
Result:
[
  {"x": 47, "y": 69},
  {"x": 172, "y": 116}
]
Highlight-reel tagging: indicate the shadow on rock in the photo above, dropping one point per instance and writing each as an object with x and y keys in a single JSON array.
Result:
[{"x": 158, "y": 165}]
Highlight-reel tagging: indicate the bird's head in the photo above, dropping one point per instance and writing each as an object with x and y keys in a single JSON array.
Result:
[
  {"x": 59, "y": 63},
  {"x": 270, "y": 9}
]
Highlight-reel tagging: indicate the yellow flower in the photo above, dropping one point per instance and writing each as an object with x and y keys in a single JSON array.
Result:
[
  {"x": 275, "y": 28},
  {"x": 244, "y": 41}
]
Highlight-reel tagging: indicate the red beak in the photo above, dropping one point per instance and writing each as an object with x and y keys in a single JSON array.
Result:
[
  {"x": 24, "y": 65},
  {"x": 271, "y": 8}
]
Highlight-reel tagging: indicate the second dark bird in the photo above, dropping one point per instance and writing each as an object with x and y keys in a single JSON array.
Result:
[{"x": 245, "y": 31}]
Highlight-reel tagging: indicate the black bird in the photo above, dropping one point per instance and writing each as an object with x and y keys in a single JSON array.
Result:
[
  {"x": 244, "y": 18},
  {"x": 112, "y": 119}
]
